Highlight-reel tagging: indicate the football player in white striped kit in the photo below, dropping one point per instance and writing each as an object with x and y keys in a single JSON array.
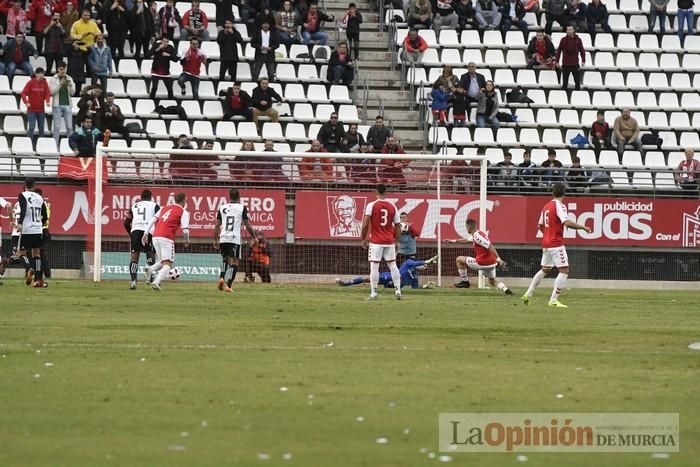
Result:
[
  {"x": 227, "y": 237},
  {"x": 30, "y": 224},
  {"x": 136, "y": 222}
]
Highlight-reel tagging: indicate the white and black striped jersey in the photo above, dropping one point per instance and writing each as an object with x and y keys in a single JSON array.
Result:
[
  {"x": 141, "y": 214},
  {"x": 33, "y": 214},
  {"x": 231, "y": 217}
]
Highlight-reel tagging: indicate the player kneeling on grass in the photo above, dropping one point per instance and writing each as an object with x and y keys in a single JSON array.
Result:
[
  {"x": 227, "y": 237},
  {"x": 409, "y": 275},
  {"x": 164, "y": 225},
  {"x": 486, "y": 259}
]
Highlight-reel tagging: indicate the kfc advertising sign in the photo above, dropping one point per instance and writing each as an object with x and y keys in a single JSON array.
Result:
[
  {"x": 510, "y": 219},
  {"x": 72, "y": 213}
]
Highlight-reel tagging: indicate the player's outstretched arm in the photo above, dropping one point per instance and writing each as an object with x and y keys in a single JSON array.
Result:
[
  {"x": 459, "y": 240},
  {"x": 573, "y": 225}
]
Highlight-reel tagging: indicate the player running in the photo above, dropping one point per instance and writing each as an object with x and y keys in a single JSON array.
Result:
[
  {"x": 30, "y": 224},
  {"x": 136, "y": 221},
  {"x": 381, "y": 229},
  {"x": 486, "y": 259},
  {"x": 19, "y": 256},
  {"x": 409, "y": 275},
  {"x": 553, "y": 219},
  {"x": 166, "y": 222},
  {"x": 227, "y": 237}
]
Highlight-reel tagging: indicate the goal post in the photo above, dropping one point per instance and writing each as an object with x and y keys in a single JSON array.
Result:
[{"x": 426, "y": 184}]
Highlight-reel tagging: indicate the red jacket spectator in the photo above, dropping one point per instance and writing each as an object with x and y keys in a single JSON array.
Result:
[
  {"x": 41, "y": 11},
  {"x": 418, "y": 44},
  {"x": 688, "y": 171},
  {"x": 392, "y": 169},
  {"x": 316, "y": 168},
  {"x": 35, "y": 93},
  {"x": 192, "y": 61},
  {"x": 570, "y": 47}
]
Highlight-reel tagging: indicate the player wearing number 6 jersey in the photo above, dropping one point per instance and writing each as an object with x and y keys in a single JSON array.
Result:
[
  {"x": 553, "y": 219},
  {"x": 227, "y": 237},
  {"x": 164, "y": 226},
  {"x": 381, "y": 230},
  {"x": 136, "y": 221},
  {"x": 30, "y": 225}
]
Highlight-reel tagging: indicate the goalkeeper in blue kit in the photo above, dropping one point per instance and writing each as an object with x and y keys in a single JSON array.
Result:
[{"x": 409, "y": 275}]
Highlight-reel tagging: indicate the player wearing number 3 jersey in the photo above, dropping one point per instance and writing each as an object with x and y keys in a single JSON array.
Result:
[
  {"x": 553, "y": 219},
  {"x": 381, "y": 230}
]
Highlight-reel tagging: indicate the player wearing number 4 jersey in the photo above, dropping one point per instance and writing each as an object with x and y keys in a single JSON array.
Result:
[
  {"x": 164, "y": 225},
  {"x": 381, "y": 230},
  {"x": 553, "y": 219},
  {"x": 227, "y": 237},
  {"x": 136, "y": 221}
]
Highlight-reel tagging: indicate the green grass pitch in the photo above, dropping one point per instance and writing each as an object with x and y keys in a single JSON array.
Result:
[{"x": 97, "y": 375}]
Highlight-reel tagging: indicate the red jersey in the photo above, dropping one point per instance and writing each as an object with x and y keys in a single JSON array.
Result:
[
  {"x": 552, "y": 221},
  {"x": 383, "y": 217},
  {"x": 169, "y": 219},
  {"x": 484, "y": 256}
]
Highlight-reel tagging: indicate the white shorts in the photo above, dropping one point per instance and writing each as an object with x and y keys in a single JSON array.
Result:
[
  {"x": 165, "y": 249},
  {"x": 489, "y": 270},
  {"x": 376, "y": 253},
  {"x": 555, "y": 257}
]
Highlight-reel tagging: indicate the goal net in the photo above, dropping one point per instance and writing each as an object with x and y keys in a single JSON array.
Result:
[{"x": 309, "y": 206}]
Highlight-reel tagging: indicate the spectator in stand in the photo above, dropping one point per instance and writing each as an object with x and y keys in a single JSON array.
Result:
[
  {"x": 206, "y": 169},
  {"x": 340, "y": 66},
  {"x": 313, "y": 21},
  {"x": 192, "y": 63},
  {"x": 658, "y": 10},
  {"x": 258, "y": 261},
  {"x": 331, "y": 134},
  {"x": 287, "y": 24},
  {"x": 555, "y": 11},
  {"x": 440, "y": 104},
  {"x": 353, "y": 140},
  {"x": 248, "y": 12},
  {"x": 316, "y": 168},
  {"x": 143, "y": 28},
  {"x": 687, "y": 173},
  {"x": 168, "y": 20},
  {"x": 460, "y": 107},
  {"x": 508, "y": 173},
  {"x": 224, "y": 11},
  {"x": 112, "y": 118},
  {"x": 68, "y": 18},
  {"x": 552, "y": 172},
  {"x": 265, "y": 16},
  {"x": 17, "y": 19},
  {"x": 413, "y": 47},
  {"x": 54, "y": 35},
  {"x": 270, "y": 167},
  {"x": 626, "y": 131},
  {"x": 100, "y": 62},
  {"x": 570, "y": 48},
  {"x": 488, "y": 107},
  {"x": 472, "y": 83},
  {"x": 447, "y": 79},
  {"x": 352, "y": 21},
  {"x": 487, "y": 14},
  {"x": 263, "y": 96},
  {"x": 445, "y": 16},
  {"x": 597, "y": 13},
  {"x": 392, "y": 169},
  {"x": 62, "y": 87},
  {"x": 576, "y": 176},
  {"x": 41, "y": 13},
  {"x": 513, "y": 13},
  {"x": 685, "y": 15},
  {"x": 76, "y": 66},
  {"x": 420, "y": 14},
  {"x": 529, "y": 176},
  {"x": 243, "y": 167},
  {"x": 578, "y": 15},
  {"x": 600, "y": 133},
  {"x": 378, "y": 134},
  {"x": 89, "y": 105},
  {"x": 96, "y": 12},
  {"x": 117, "y": 22},
  {"x": 237, "y": 103},
  {"x": 181, "y": 165},
  {"x": 265, "y": 42},
  {"x": 465, "y": 14},
  {"x": 364, "y": 170},
  {"x": 163, "y": 53},
  {"x": 17, "y": 52},
  {"x": 541, "y": 52},
  {"x": 407, "y": 241},
  {"x": 36, "y": 95},
  {"x": 194, "y": 24},
  {"x": 84, "y": 139}
]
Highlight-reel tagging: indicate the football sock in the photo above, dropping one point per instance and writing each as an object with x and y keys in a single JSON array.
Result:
[
  {"x": 224, "y": 269},
  {"x": 395, "y": 276},
  {"x": 373, "y": 277},
  {"x": 164, "y": 270},
  {"x": 232, "y": 270},
  {"x": 463, "y": 274},
  {"x": 37, "y": 268},
  {"x": 536, "y": 280},
  {"x": 558, "y": 286},
  {"x": 155, "y": 268},
  {"x": 355, "y": 281},
  {"x": 133, "y": 269},
  {"x": 501, "y": 286},
  {"x": 150, "y": 260}
]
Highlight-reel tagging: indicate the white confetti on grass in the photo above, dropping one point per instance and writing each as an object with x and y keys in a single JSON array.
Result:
[
  {"x": 284, "y": 389},
  {"x": 560, "y": 396},
  {"x": 693, "y": 346},
  {"x": 360, "y": 419},
  {"x": 37, "y": 375},
  {"x": 445, "y": 458},
  {"x": 382, "y": 440},
  {"x": 406, "y": 431},
  {"x": 184, "y": 434},
  {"x": 143, "y": 359},
  {"x": 48, "y": 364},
  {"x": 287, "y": 456},
  {"x": 423, "y": 450},
  {"x": 177, "y": 448},
  {"x": 263, "y": 456},
  {"x": 521, "y": 458},
  {"x": 661, "y": 455}
]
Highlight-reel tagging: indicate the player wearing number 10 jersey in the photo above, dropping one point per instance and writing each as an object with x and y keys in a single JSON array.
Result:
[
  {"x": 553, "y": 219},
  {"x": 136, "y": 221},
  {"x": 381, "y": 229},
  {"x": 32, "y": 217}
]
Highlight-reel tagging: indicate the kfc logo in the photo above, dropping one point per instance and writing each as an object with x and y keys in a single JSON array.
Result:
[
  {"x": 691, "y": 229},
  {"x": 343, "y": 219}
]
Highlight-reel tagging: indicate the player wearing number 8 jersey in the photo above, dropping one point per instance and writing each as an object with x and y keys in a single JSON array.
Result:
[
  {"x": 553, "y": 219},
  {"x": 136, "y": 221},
  {"x": 381, "y": 229},
  {"x": 164, "y": 225}
]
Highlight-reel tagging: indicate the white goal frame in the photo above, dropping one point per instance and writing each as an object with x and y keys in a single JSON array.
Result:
[{"x": 103, "y": 152}]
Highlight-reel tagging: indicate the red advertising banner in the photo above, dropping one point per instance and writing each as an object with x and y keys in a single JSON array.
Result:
[
  {"x": 79, "y": 168},
  {"x": 510, "y": 219},
  {"x": 70, "y": 212}
]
